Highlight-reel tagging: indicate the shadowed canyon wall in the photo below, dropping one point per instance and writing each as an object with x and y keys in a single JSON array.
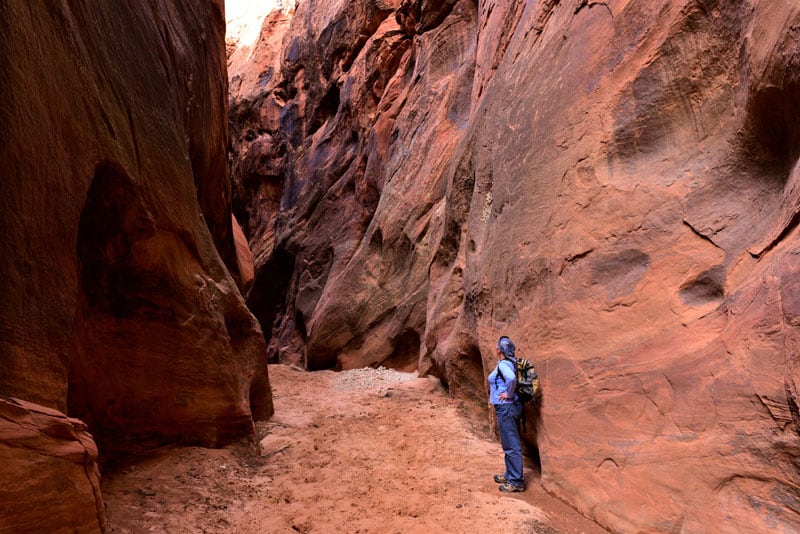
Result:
[
  {"x": 612, "y": 184},
  {"x": 119, "y": 301}
]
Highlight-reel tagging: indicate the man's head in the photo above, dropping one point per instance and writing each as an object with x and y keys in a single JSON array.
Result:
[{"x": 506, "y": 347}]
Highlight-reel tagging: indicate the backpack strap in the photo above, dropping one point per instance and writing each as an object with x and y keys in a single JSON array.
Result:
[{"x": 500, "y": 375}]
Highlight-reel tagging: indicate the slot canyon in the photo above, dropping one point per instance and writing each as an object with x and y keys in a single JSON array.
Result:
[{"x": 256, "y": 256}]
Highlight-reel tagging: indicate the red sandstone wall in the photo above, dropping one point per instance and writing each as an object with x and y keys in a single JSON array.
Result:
[
  {"x": 612, "y": 184},
  {"x": 117, "y": 305}
]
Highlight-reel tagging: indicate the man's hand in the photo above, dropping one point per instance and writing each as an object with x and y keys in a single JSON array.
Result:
[{"x": 503, "y": 396}]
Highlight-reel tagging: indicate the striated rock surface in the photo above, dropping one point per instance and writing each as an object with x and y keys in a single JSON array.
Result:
[
  {"x": 612, "y": 184},
  {"x": 51, "y": 482},
  {"x": 244, "y": 257},
  {"x": 118, "y": 305}
]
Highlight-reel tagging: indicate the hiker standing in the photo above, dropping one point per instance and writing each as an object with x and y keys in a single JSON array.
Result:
[{"x": 507, "y": 406}]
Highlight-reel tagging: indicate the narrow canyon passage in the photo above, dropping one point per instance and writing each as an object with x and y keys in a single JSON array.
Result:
[
  {"x": 367, "y": 450},
  {"x": 363, "y": 183}
]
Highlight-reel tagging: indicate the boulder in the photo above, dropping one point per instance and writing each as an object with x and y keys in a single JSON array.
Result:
[{"x": 51, "y": 482}]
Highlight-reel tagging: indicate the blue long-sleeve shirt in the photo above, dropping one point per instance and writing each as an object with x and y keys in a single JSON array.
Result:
[{"x": 503, "y": 379}]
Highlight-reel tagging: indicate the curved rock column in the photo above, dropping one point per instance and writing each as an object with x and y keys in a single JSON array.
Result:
[{"x": 118, "y": 306}]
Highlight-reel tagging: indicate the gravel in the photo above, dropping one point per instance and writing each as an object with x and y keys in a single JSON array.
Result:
[{"x": 368, "y": 378}]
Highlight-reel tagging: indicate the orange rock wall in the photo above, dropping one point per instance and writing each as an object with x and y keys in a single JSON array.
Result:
[
  {"x": 612, "y": 184},
  {"x": 117, "y": 306}
]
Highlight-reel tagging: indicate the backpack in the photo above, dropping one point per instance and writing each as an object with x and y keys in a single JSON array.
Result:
[{"x": 527, "y": 380}]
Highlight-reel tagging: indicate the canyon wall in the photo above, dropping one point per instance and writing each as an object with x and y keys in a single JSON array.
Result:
[
  {"x": 612, "y": 184},
  {"x": 119, "y": 301}
]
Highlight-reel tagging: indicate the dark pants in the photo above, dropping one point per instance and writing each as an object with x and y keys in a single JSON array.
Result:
[{"x": 508, "y": 416}]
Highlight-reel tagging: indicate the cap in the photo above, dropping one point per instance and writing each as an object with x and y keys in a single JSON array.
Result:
[{"x": 506, "y": 346}]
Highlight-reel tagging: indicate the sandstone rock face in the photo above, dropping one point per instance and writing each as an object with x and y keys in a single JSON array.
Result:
[
  {"x": 612, "y": 184},
  {"x": 117, "y": 305},
  {"x": 244, "y": 257},
  {"x": 51, "y": 482}
]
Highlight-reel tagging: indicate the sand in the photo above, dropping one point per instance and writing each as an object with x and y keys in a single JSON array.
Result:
[{"x": 362, "y": 451}]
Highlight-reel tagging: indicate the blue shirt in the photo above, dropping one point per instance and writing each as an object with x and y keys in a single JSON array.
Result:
[{"x": 503, "y": 380}]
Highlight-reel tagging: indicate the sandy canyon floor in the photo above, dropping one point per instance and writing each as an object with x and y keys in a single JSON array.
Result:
[{"x": 362, "y": 451}]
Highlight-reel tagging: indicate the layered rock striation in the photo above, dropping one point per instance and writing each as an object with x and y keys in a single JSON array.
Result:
[
  {"x": 119, "y": 302},
  {"x": 612, "y": 184}
]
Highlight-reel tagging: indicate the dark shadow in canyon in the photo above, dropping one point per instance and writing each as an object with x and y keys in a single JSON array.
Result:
[
  {"x": 406, "y": 352},
  {"x": 267, "y": 299}
]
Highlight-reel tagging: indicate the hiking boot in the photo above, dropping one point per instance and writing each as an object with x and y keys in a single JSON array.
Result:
[
  {"x": 510, "y": 488},
  {"x": 500, "y": 479}
]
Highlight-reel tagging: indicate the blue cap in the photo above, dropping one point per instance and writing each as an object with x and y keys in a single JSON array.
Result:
[{"x": 506, "y": 346}]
